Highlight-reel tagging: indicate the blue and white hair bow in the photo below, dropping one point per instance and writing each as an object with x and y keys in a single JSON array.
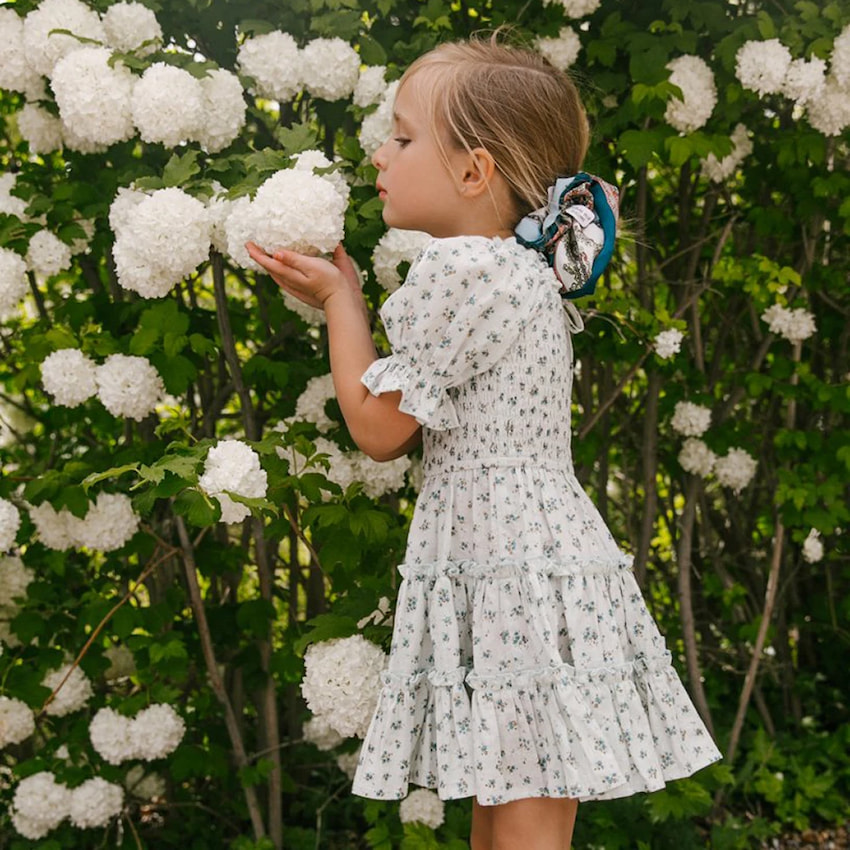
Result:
[{"x": 575, "y": 231}]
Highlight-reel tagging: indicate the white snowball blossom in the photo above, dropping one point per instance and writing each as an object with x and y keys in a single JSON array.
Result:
[
  {"x": 41, "y": 130},
  {"x": 805, "y": 80},
  {"x": 697, "y": 458},
  {"x": 376, "y": 127},
  {"x": 794, "y": 325},
  {"x": 94, "y": 99},
  {"x": 13, "y": 281},
  {"x": 15, "y": 578},
  {"x": 829, "y": 113},
  {"x": 55, "y": 528},
  {"x": 68, "y": 377},
  {"x": 394, "y": 248},
  {"x": 74, "y": 693},
  {"x": 761, "y": 66},
  {"x": 699, "y": 94},
  {"x": 11, "y": 204},
  {"x": 108, "y": 525},
  {"x": 122, "y": 663},
  {"x": 318, "y": 731},
  {"x": 576, "y": 8},
  {"x": 156, "y": 731},
  {"x": 735, "y": 470},
  {"x": 312, "y": 160},
  {"x": 224, "y": 110},
  {"x": 17, "y": 722},
  {"x": 341, "y": 682},
  {"x": 232, "y": 465},
  {"x": 10, "y": 522},
  {"x": 160, "y": 239},
  {"x": 144, "y": 786},
  {"x": 129, "y": 386},
  {"x": 130, "y": 25},
  {"x": 347, "y": 762},
  {"x": 371, "y": 85},
  {"x": 718, "y": 170},
  {"x": 44, "y": 49},
  {"x": 167, "y": 105},
  {"x": 95, "y": 803},
  {"x": 330, "y": 68},
  {"x": 273, "y": 61},
  {"x": 667, "y": 343},
  {"x": 311, "y": 403},
  {"x": 16, "y": 74},
  {"x": 561, "y": 51},
  {"x": 422, "y": 806},
  {"x": 840, "y": 60},
  {"x": 813, "y": 547},
  {"x": 47, "y": 254},
  {"x": 689, "y": 419},
  {"x": 347, "y": 467},
  {"x": 110, "y": 736},
  {"x": 40, "y": 804}
]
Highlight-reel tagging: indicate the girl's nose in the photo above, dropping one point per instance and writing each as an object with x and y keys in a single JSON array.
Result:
[{"x": 378, "y": 158}]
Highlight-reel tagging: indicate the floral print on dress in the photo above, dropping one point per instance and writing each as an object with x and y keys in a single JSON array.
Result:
[{"x": 524, "y": 661}]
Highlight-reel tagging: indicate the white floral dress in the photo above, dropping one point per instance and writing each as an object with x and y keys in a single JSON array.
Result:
[{"x": 524, "y": 661}]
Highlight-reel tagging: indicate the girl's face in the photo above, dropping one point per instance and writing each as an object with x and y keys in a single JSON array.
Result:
[{"x": 420, "y": 190}]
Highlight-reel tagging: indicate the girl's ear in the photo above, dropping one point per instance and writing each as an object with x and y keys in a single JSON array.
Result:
[{"x": 478, "y": 174}]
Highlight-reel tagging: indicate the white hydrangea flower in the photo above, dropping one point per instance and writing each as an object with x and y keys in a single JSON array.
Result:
[
  {"x": 122, "y": 206},
  {"x": 10, "y": 522},
  {"x": 689, "y": 419},
  {"x": 17, "y": 721},
  {"x": 109, "y": 523},
  {"x": 805, "y": 80},
  {"x": 72, "y": 696},
  {"x": 122, "y": 663},
  {"x": 273, "y": 61},
  {"x": 55, "y": 528},
  {"x": 39, "y": 805},
  {"x": 218, "y": 209},
  {"x": 159, "y": 240},
  {"x": 341, "y": 682},
  {"x": 382, "y": 478},
  {"x": 41, "y": 130},
  {"x": 224, "y": 110},
  {"x": 129, "y": 386},
  {"x": 813, "y": 547},
  {"x": 718, "y": 170},
  {"x": 311, "y": 315},
  {"x": 793, "y": 325},
  {"x": 696, "y": 80},
  {"x": 9, "y": 203},
  {"x": 232, "y": 465},
  {"x": 156, "y": 731},
  {"x": 562, "y": 51},
  {"x": 48, "y": 254},
  {"x": 44, "y": 49},
  {"x": 110, "y": 734},
  {"x": 167, "y": 105},
  {"x": 371, "y": 85},
  {"x": 697, "y": 458},
  {"x": 73, "y": 141},
  {"x": 376, "y": 127},
  {"x": 829, "y": 113},
  {"x": 95, "y": 803},
  {"x": 736, "y": 470},
  {"x": 347, "y": 762},
  {"x": 129, "y": 25},
  {"x": 394, "y": 248},
  {"x": 94, "y": 99},
  {"x": 13, "y": 280},
  {"x": 416, "y": 474},
  {"x": 667, "y": 343},
  {"x": 6, "y": 635},
  {"x": 330, "y": 68},
  {"x": 576, "y": 8},
  {"x": 840, "y": 60},
  {"x": 16, "y": 74},
  {"x": 422, "y": 806},
  {"x": 314, "y": 159},
  {"x": 144, "y": 786},
  {"x": 317, "y": 731},
  {"x": 81, "y": 245},
  {"x": 761, "y": 66},
  {"x": 311, "y": 403},
  {"x": 15, "y": 578}
]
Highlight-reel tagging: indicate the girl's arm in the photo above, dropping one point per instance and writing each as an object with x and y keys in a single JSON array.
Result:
[{"x": 376, "y": 424}]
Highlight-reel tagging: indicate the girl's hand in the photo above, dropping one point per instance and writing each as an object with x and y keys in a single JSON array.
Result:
[{"x": 312, "y": 280}]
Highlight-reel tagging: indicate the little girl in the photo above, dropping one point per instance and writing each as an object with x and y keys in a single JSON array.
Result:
[{"x": 525, "y": 669}]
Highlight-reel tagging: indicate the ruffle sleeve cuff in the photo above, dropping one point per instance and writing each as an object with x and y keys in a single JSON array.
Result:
[{"x": 421, "y": 398}]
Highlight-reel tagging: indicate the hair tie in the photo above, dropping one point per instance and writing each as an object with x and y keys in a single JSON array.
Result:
[{"x": 575, "y": 231}]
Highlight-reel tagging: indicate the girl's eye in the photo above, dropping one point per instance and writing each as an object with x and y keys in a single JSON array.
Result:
[{"x": 402, "y": 142}]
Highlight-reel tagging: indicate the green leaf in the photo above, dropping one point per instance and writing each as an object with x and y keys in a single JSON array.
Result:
[
  {"x": 325, "y": 627},
  {"x": 197, "y": 508},
  {"x": 114, "y": 472},
  {"x": 144, "y": 340},
  {"x": 179, "y": 170},
  {"x": 640, "y": 146},
  {"x": 255, "y": 616}
]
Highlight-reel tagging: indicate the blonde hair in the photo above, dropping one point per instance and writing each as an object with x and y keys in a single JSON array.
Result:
[{"x": 510, "y": 101}]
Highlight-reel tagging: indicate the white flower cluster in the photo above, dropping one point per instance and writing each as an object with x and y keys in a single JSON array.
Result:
[
  {"x": 223, "y": 110},
  {"x": 15, "y": 577},
  {"x": 697, "y": 458},
  {"x": 761, "y": 66},
  {"x": 95, "y": 803},
  {"x": 11, "y": 204},
  {"x": 318, "y": 731},
  {"x": 294, "y": 209},
  {"x": 44, "y": 47},
  {"x": 689, "y": 419},
  {"x": 41, "y": 130},
  {"x": 667, "y": 343},
  {"x": 160, "y": 238},
  {"x": 17, "y": 722},
  {"x": 793, "y": 325},
  {"x": 232, "y": 465},
  {"x": 10, "y": 522},
  {"x": 69, "y": 377},
  {"x": 326, "y": 67},
  {"x": 422, "y": 806},
  {"x": 735, "y": 470},
  {"x": 561, "y": 51},
  {"x": 394, "y": 248},
  {"x": 167, "y": 104},
  {"x": 47, "y": 254},
  {"x": 347, "y": 467},
  {"x": 122, "y": 663},
  {"x": 108, "y": 525},
  {"x": 129, "y": 386},
  {"x": 130, "y": 25},
  {"x": 72, "y": 695},
  {"x": 376, "y": 127},
  {"x": 718, "y": 170},
  {"x": 341, "y": 682},
  {"x": 813, "y": 547},
  {"x": 153, "y": 733},
  {"x": 311, "y": 403},
  {"x": 144, "y": 786},
  {"x": 576, "y": 8},
  {"x": 840, "y": 59},
  {"x": 699, "y": 94},
  {"x": 371, "y": 85},
  {"x": 314, "y": 159},
  {"x": 16, "y": 74},
  {"x": 347, "y": 762},
  {"x": 829, "y": 113},
  {"x": 804, "y": 80},
  {"x": 13, "y": 280}
]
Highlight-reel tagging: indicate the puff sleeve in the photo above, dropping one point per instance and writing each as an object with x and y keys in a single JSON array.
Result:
[{"x": 465, "y": 301}]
